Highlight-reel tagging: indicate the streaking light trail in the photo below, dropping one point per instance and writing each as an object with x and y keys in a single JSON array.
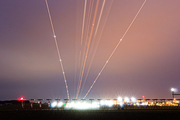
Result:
[
  {"x": 87, "y": 48},
  {"x": 115, "y": 49},
  {"x": 100, "y": 16},
  {"x": 60, "y": 60},
  {"x": 85, "y": 3},
  {"x": 97, "y": 38}
]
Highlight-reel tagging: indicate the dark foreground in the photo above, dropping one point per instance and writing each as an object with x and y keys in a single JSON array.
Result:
[{"x": 90, "y": 115}]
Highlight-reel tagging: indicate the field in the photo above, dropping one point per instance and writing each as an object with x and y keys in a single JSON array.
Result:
[{"x": 13, "y": 112}]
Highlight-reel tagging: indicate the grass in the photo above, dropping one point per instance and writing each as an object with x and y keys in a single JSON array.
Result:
[{"x": 13, "y": 112}]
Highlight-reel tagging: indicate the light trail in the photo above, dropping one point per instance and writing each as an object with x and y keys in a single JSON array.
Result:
[
  {"x": 60, "y": 60},
  {"x": 82, "y": 52},
  {"x": 93, "y": 45},
  {"x": 85, "y": 3},
  {"x": 82, "y": 33},
  {"x": 88, "y": 47},
  {"x": 115, "y": 49},
  {"x": 102, "y": 8}
]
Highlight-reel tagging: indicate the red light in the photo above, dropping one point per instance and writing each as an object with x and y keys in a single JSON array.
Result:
[{"x": 21, "y": 98}]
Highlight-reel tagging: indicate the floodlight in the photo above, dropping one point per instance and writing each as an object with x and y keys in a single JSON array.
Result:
[
  {"x": 133, "y": 99},
  {"x": 59, "y": 104},
  {"x": 120, "y": 99},
  {"x": 53, "y": 104},
  {"x": 126, "y": 99},
  {"x": 172, "y": 89}
]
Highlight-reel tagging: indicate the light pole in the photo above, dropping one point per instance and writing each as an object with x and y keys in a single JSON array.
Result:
[
  {"x": 66, "y": 101},
  {"x": 172, "y": 90},
  {"x": 40, "y": 103},
  {"x": 91, "y": 100},
  {"x": 74, "y": 100},
  {"x": 49, "y": 102},
  {"x": 83, "y": 100},
  {"x": 57, "y": 102},
  {"x": 31, "y": 100}
]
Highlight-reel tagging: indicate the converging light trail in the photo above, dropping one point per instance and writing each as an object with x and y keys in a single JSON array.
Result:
[
  {"x": 94, "y": 37},
  {"x": 85, "y": 3},
  {"x": 60, "y": 60},
  {"x": 88, "y": 48},
  {"x": 115, "y": 49},
  {"x": 100, "y": 17}
]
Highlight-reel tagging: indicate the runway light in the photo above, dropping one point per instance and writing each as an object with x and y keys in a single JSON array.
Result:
[
  {"x": 102, "y": 102},
  {"x": 59, "y": 104},
  {"x": 53, "y": 104},
  {"x": 133, "y": 99},
  {"x": 82, "y": 105},
  {"x": 126, "y": 99},
  {"x": 120, "y": 99},
  {"x": 21, "y": 98}
]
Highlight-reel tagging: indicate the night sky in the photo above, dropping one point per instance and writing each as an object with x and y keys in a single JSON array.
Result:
[{"x": 147, "y": 61}]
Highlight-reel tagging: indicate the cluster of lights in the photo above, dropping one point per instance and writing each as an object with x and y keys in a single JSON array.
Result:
[
  {"x": 82, "y": 105},
  {"x": 108, "y": 103},
  {"x": 127, "y": 100},
  {"x": 56, "y": 104},
  {"x": 75, "y": 105},
  {"x": 93, "y": 105}
]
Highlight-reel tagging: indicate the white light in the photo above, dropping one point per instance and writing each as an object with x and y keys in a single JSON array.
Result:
[
  {"x": 59, "y": 104},
  {"x": 82, "y": 105},
  {"x": 120, "y": 39},
  {"x": 110, "y": 103},
  {"x": 126, "y": 99},
  {"x": 133, "y": 99},
  {"x": 60, "y": 60},
  {"x": 54, "y": 36},
  {"x": 102, "y": 102},
  {"x": 120, "y": 99},
  {"x": 172, "y": 89},
  {"x": 53, "y": 104}
]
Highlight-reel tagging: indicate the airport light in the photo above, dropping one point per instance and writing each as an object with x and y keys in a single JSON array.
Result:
[
  {"x": 120, "y": 99},
  {"x": 22, "y": 99},
  {"x": 58, "y": 102},
  {"x": 126, "y": 99},
  {"x": 31, "y": 101},
  {"x": 115, "y": 101},
  {"x": 39, "y": 100},
  {"x": 83, "y": 100},
  {"x": 99, "y": 101},
  {"x": 66, "y": 100},
  {"x": 91, "y": 100},
  {"x": 74, "y": 100},
  {"x": 133, "y": 99},
  {"x": 172, "y": 89},
  {"x": 49, "y": 102},
  {"x": 53, "y": 104},
  {"x": 102, "y": 102}
]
